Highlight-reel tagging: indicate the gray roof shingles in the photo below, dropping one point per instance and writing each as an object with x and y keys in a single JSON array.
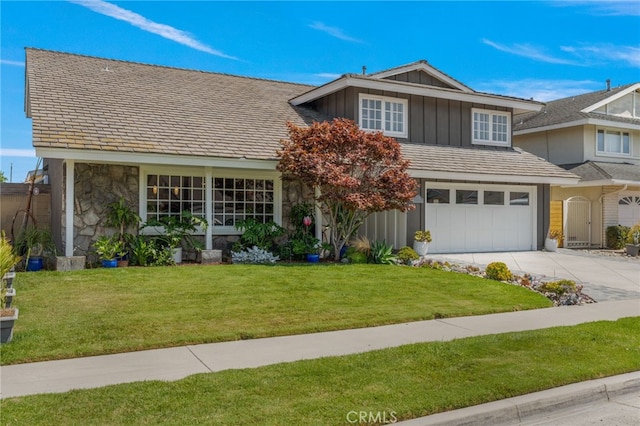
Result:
[
  {"x": 568, "y": 110},
  {"x": 77, "y": 102},
  {"x": 599, "y": 170},
  {"x": 91, "y": 103}
]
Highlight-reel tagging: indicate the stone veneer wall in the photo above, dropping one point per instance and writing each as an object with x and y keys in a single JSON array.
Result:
[{"x": 96, "y": 186}]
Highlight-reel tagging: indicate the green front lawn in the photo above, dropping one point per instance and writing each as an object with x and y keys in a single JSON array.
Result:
[
  {"x": 405, "y": 382},
  {"x": 99, "y": 311}
]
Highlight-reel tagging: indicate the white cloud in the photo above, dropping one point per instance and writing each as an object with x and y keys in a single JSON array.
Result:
[
  {"x": 539, "y": 90},
  {"x": 606, "y": 53},
  {"x": 529, "y": 51},
  {"x": 334, "y": 32},
  {"x": 12, "y": 63},
  {"x": 328, "y": 75},
  {"x": 12, "y": 152},
  {"x": 144, "y": 24},
  {"x": 606, "y": 8}
]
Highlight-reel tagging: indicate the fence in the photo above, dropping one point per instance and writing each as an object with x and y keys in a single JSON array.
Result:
[{"x": 13, "y": 202}]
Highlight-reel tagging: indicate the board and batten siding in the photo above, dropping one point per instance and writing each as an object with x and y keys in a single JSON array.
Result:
[
  {"x": 419, "y": 77},
  {"x": 432, "y": 121}
]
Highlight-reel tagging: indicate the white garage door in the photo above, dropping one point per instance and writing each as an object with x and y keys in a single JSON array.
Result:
[
  {"x": 476, "y": 218},
  {"x": 629, "y": 208}
]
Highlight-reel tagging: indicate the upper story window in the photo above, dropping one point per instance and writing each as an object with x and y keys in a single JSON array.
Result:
[
  {"x": 389, "y": 115},
  {"x": 626, "y": 106},
  {"x": 613, "y": 142},
  {"x": 491, "y": 127}
]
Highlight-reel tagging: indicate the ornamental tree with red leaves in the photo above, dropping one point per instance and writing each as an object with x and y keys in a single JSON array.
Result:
[{"x": 355, "y": 173}]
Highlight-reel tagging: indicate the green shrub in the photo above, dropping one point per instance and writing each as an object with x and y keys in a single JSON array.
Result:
[
  {"x": 616, "y": 236},
  {"x": 382, "y": 254},
  {"x": 558, "y": 287},
  {"x": 498, "y": 271},
  {"x": 355, "y": 256},
  {"x": 262, "y": 235},
  {"x": 633, "y": 236},
  {"x": 406, "y": 254}
]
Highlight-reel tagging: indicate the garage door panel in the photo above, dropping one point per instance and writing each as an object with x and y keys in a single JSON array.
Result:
[
  {"x": 629, "y": 208},
  {"x": 473, "y": 228}
]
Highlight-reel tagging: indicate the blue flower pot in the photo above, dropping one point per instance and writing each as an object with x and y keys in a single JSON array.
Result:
[
  {"x": 113, "y": 263},
  {"x": 35, "y": 264},
  {"x": 313, "y": 258}
]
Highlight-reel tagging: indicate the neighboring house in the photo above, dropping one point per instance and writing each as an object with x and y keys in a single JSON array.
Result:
[
  {"x": 596, "y": 136},
  {"x": 172, "y": 139}
]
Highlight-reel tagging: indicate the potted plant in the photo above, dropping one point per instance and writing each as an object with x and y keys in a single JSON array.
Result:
[
  {"x": 107, "y": 249},
  {"x": 174, "y": 230},
  {"x": 421, "y": 242},
  {"x": 8, "y": 315},
  {"x": 551, "y": 242},
  {"x": 33, "y": 243},
  {"x": 122, "y": 217},
  {"x": 633, "y": 240}
]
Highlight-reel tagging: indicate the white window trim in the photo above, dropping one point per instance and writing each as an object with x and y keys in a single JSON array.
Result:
[
  {"x": 405, "y": 114},
  {"x": 613, "y": 154},
  {"x": 209, "y": 174},
  {"x": 251, "y": 174},
  {"x": 176, "y": 171},
  {"x": 491, "y": 113}
]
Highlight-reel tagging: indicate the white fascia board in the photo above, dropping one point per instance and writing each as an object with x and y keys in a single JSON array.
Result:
[
  {"x": 585, "y": 121},
  {"x": 612, "y": 98},
  {"x": 426, "y": 68},
  {"x": 603, "y": 182},
  {"x": 551, "y": 127},
  {"x": 511, "y": 179},
  {"x": 118, "y": 157},
  {"x": 390, "y": 86}
]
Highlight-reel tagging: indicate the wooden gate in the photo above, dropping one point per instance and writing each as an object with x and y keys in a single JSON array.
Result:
[{"x": 577, "y": 222}]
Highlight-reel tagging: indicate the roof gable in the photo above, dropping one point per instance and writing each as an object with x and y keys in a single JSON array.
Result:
[
  {"x": 576, "y": 110},
  {"x": 609, "y": 100},
  {"x": 422, "y": 67}
]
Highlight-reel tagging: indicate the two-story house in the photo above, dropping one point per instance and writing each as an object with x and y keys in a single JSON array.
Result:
[
  {"x": 596, "y": 136},
  {"x": 172, "y": 139}
]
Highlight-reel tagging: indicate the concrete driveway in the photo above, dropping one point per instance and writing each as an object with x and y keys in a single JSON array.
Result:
[{"x": 604, "y": 278}]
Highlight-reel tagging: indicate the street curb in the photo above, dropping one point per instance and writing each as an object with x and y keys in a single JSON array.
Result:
[{"x": 517, "y": 409}]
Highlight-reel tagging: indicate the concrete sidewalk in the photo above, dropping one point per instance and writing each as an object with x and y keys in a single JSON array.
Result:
[{"x": 176, "y": 363}]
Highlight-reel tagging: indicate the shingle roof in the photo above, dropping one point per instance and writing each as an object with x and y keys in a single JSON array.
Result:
[
  {"x": 101, "y": 104},
  {"x": 598, "y": 170},
  {"x": 568, "y": 110},
  {"x": 502, "y": 162},
  {"x": 89, "y": 103}
]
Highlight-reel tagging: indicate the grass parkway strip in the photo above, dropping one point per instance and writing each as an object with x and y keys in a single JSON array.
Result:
[
  {"x": 103, "y": 311},
  {"x": 398, "y": 383}
]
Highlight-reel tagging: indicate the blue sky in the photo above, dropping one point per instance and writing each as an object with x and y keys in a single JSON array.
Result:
[{"x": 542, "y": 49}]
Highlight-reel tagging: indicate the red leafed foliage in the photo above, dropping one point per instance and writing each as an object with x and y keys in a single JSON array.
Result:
[{"x": 357, "y": 172}]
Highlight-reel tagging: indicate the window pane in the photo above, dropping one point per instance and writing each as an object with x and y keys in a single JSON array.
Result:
[
  {"x": 437, "y": 196},
  {"x": 600, "y": 140},
  {"x": 625, "y": 143},
  {"x": 480, "y": 126},
  {"x": 499, "y": 132},
  {"x": 612, "y": 142},
  {"x": 622, "y": 107},
  {"x": 466, "y": 197},
  {"x": 519, "y": 198},
  {"x": 494, "y": 198}
]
